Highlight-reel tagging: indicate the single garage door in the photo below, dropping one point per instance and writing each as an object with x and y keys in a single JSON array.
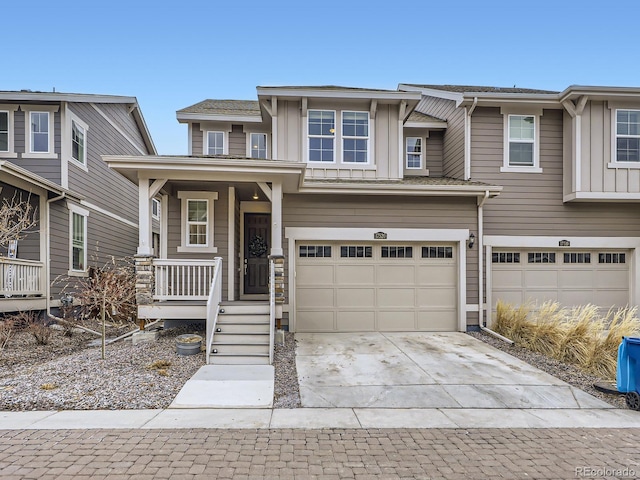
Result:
[
  {"x": 571, "y": 277},
  {"x": 349, "y": 287}
]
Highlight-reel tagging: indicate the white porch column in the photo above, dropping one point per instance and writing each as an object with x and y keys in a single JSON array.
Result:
[
  {"x": 145, "y": 245},
  {"x": 276, "y": 218}
]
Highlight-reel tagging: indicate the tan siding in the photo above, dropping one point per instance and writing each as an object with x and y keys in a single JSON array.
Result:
[
  {"x": 196, "y": 139},
  {"x": 453, "y": 146},
  {"x": 532, "y": 204},
  {"x": 59, "y": 238},
  {"x": 434, "y": 153},
  {"x": 119, "y": 114},
  {"x": 48, "y": 168},
  {"x": 568, "y": 151},
  {"x": 237, "y": 141},
  {"x": 391, "y": 212}
]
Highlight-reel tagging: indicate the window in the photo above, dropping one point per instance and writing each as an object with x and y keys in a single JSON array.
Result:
[
  {"x": 397, "y": 252},
  {"x": 628, "y": 135},
  {"x": 155, "y": 208},
  {"x": 78, "y": 218},
  {"x": 39, "y": 134},
  {"x": 414, "y": 152},
  {"x": 197, "y": 210},
  {"x": 4, "y": 131},
  {"x": 315, "y": 251},
  {"x": 437, "y": 252},
  {"x": 215, "y": 143},
  {"x": 355, "y": 137},
  {"x": 356, "y": 251},
  {"x": 78, "y": 142},
  {"x": 521, "y": 140},
  {"x": 258, "y": 145},
  {"x": 542, "y": 257},
  {"x": 612, "y": 258},
  {"x": 322, "y": 130},
  {"x": 577, "y": 258},
  {"x": 505, "y": 257}
]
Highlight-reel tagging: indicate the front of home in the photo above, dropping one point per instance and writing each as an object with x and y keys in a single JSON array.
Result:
[{"x": 413, "y": 209}]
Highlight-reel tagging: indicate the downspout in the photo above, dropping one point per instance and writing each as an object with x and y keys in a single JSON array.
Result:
[{"x": 47, "y": 253}]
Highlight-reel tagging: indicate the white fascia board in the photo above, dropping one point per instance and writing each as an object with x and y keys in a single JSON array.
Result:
[
  {"x": 187, "y": 163},
  {"x": 432, "y": 92},
  {"x": 342, "y": 94},
  {"x": 216, "y": 117},
  {"x": 36, "y": 180},
  {"x": 373, "y": 189},
  {"x": 511, "y": 241},
  {"x": 393, "y": 234},
  {"x": 144, "y": 129},
  {"x": 601, "y": 197},
  {"x": 495, "y": 99},
  {"x": 65, "y": 97},
  {"x": 429, "y": 125},
  {"x": 580, "y": 90}
]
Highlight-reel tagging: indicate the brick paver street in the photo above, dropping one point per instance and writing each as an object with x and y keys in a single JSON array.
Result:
[{"x": 331, "y": 453}]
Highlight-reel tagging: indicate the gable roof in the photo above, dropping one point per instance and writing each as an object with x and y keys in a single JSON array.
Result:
[{"x": 479, "y": 89}]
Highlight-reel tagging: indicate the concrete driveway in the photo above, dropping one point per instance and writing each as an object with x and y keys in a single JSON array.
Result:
[{"x": 423, "y": 370}]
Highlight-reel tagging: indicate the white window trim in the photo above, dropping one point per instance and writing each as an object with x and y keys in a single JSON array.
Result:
[
  {"x": 250, "y": 147},
  {"x": 51, "y": 110},
  {"x": 155, "y": 201},
  {"x": 406, "y": 153},
  {"x": 68, "y": 138},
  {"x": 205, "y": 142},
  {"x": 336, "y": 139},
  {"x": 184, "y": 247},
  {"x": 536, "y": 114},
  {"x": 9, "y": 110},
  {"x": 84, "y": 213},
  {"x": 343, "y": 137},
  {"x": 614, "y": 141}
]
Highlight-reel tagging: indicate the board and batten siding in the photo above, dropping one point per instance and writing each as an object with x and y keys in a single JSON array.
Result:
[
  {"x": 337, "y": 211},
  {"x": 532, "y": 203},
  {"x": 453, "y": 145},
  {"x": 196, "y": 139},
  {"x": 220, "y": 227},
  {"x": 237, "y": 141},
  {"x": 101, "y": 185}
]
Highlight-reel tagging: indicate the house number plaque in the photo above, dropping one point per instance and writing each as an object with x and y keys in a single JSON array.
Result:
[
  {"x": 564, "y": 243},
  {"x": 379, "y": 236}
]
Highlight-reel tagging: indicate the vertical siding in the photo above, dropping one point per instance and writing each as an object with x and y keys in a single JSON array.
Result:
[
  {"x": 434, "y": 153},
  {"x": 567, "y": 154},
  {"x": 29, "y": 246},
  {"x": 237, "y": 141},
  {"x": 453, "y": 145},
  {"x": 196, "y": 139},
  {"x": 532, "y": 204}
]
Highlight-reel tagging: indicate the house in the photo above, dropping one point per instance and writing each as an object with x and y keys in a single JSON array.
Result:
[
  {"x": 335, "y": 209},
  {"x": 50, "y": 156}
]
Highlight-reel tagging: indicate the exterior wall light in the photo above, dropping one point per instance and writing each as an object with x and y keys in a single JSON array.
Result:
[{"x": 472, "y": 240}]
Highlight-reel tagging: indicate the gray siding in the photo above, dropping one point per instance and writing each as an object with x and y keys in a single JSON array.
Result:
[
  {"x": 119, "y": 114},
  {"x": 453, "y": 146},
  {"x": 237, "y": 141},
  {"x": 59, "y": 241},
  {"x": 532, "y": 204},
  {"x": 29, "y": 246},
  {"x": 196, "y": 139},
  {"x": 100, "y": 185},
  {"x": 391, "y": 212},
  {"x": 434, "y": 153}
]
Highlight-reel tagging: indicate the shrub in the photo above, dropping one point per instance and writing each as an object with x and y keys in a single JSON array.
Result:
[
  {"x": 6, "y": 332},
  {"x": 40, "y": 331}
]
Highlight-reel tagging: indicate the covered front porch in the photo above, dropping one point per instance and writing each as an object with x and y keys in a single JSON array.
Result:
[{"x": 210, "y": 247}]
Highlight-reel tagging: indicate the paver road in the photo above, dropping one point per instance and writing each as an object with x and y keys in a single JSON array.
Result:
[{"x": 326, "y": 454}]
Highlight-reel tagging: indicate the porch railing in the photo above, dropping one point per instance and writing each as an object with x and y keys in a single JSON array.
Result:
[
  {"x": 183, "y": 279},
  {"x": 21, "y": 277},
  {"x": 272, "y": 308},
  {"x": 213, "y": 304}
]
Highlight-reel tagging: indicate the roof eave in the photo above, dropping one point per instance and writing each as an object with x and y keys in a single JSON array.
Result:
[
  {"x": 431, "y": 92},
  {"x": 575, "y": 91},
  {"x": 65, "y": 97},
  {"x": 187, "y": 117},
  {"x": 343, "y": 94},
  {"x": 402, "y": 189},
  {"x": 550, "y": 100},
  {"x": 144, "y": 129},
  {"x": 36, "y": 180},
  {"x": 429, "y": 125}
]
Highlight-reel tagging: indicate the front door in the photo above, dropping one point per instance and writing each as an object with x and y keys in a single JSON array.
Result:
[{"x": 257, "y": 237}]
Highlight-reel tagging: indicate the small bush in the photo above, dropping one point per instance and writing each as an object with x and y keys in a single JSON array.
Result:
[
  {"x": 6, "y": 332},
  {"x": 40, "y": 331}
]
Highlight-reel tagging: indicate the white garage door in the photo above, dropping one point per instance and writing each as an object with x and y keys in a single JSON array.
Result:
[
  {"x": 571, "y": 277},
  {"x": 347, "y": 287}
]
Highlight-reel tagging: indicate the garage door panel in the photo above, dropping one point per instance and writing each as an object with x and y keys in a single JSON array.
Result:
[
  {"x": 356, "y": 297},
  {"x": 612, "y": 279},
  {"x": 396, "y": 275},
  {"x": 513, "y": 297},
  {"x": 541, "y": 278},
  {"x": 356, "y": 321},
  {"x": 576, "y": 297},
  {"x": 314, "y": 274},
  {"x": 316, "y": 321},
  {"x": 438, "y": 274},
  {"x": 541, "y": 295},
  {"x": 354, "y": 274},
  {"x": 577, "y": 278},
  {"x": 316, "y": 297},
  {"x": 396, "y": 297},
  {"x": 437, "y": 320},
  {"x": 437, "y": 296},
  {"x": 608, "y": 298},
  {"x": 508, "y": 278},
  {"x": 396, "y": 321}
]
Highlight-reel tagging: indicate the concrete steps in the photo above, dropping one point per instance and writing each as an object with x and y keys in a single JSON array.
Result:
[{"x": 242, "y": 334}]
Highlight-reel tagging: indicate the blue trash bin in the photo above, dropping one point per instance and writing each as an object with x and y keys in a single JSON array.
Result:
[{"x": 628, "y": 372}]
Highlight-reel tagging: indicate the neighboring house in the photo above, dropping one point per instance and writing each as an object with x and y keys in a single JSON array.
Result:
[
  {"x": 50, "y": 155},
  {"x": 407, "y": 210}
]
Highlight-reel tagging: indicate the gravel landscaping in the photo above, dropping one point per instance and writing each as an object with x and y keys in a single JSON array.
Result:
[{"x": 67, "y": 374}]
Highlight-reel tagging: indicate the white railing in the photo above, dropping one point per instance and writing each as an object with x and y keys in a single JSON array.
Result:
[
  {"x": 213, "y": 304},
  {"x": 272, "y": 307},
  {"x": 20, "y": 277},
  {"x": 183, "y": 279}
]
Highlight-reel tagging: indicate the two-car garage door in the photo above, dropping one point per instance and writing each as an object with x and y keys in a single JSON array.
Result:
[{"x": 349, "y": 287}]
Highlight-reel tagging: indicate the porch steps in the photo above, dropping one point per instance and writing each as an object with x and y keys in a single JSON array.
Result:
[{"x": 242, "y": 334}]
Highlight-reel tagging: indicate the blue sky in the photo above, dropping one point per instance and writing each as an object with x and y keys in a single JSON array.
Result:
[{"x": 173, "y": 54}]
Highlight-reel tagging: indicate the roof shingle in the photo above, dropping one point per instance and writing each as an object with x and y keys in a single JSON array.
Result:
[
  {"x": 480, "y": 89},
  {"x": 225, "y": 107}
]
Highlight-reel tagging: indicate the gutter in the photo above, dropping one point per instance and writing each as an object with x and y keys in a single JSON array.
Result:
[{"x": 47, "y": 252}]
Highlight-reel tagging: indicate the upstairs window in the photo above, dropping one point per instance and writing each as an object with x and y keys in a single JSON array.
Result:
[
  {"x": 78, "y": 143},
  {"x": 355, "y": 137},
  {"x": 258, "y": 145},
  {"x": 628, "y": 135},
  {"x": 521, "y": 140},
  {"x": 215, "y": 143},
  {"x": 4, "y": 131},
  {"x": 322, "y": 131},
  {"x": 414, "y": 152},
  {"x": 39, "y": 132}
]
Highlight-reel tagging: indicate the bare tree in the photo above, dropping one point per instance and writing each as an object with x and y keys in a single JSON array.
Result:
[{"x": 17, "y": 216}]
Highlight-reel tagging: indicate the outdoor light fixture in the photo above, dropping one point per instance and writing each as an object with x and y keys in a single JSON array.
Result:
[
  {"x": 472, "y": 240},
  {"x": 255, "y": 195}
]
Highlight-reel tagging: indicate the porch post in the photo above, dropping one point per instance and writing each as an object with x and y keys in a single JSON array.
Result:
[
  {"x": 145, "y": 246},
  {"x": 276, "y": 218}
]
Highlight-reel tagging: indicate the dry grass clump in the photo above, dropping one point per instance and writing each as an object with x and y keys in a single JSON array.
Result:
[
  {"x": 161, "y": 366},
  {"x": 581, "y": 335},
  {"x": 6, "y": 332}
]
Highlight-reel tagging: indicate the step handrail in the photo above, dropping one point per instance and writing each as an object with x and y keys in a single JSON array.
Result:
[
  {"x": 213, "y": 305},
  {"x": 272, "y": 308}
]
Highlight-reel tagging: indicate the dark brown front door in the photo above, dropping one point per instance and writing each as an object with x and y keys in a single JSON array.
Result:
[{"x": 257, "y": 240}]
